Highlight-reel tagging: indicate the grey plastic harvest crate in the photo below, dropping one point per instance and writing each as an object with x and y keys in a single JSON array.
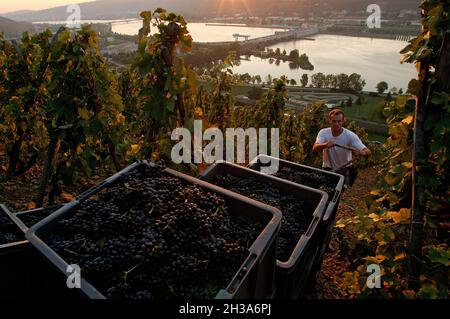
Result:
[
  {"x": 18, "y": 229},
  {"x": 247, "y": 282},
  {"x": 329, "y": 218},
  {"x": 18, "y": 264},
  {"x": 291, "y": 276},
  {"x": 14, "y": 274},
  {"x": 24, "y": 273}
]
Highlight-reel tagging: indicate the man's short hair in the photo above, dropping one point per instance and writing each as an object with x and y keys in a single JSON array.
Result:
[{"x": 335, "y": 112}]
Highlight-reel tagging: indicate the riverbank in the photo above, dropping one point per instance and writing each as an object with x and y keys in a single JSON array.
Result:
[{"x": 364, "y": 35}]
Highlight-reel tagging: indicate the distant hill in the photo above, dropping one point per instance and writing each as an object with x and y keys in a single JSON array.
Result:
[
  {"x": 110, "y": 9},
  {"x": 14, "y": 29}
]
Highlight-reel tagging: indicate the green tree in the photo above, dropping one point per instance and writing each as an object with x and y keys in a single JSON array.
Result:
[
  {"x": 329, "y": 80},
  {"x": 304, "y": 80},
  {"x": 393, "y": 90},
  {"x": 343, "y": 81},
  {"x": 83, "y": 111},
  {"x": 294, "y": 54},
  {"x": 318, "y": 80},
  {"x": 356, "y": 83},
  {"x": 381, "y": 87},
  {"x": 22, "y": 95},
  {"x": 166, "y": 85},
  {"x": 246, "y": 78}
]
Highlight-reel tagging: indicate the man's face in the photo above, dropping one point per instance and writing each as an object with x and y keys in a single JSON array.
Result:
[{"x": 336, "y": 122}]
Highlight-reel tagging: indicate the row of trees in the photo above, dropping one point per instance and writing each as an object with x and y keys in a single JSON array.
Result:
[
  {"x": 353, "y": 82},
  {"x": 383, "y": 86}
]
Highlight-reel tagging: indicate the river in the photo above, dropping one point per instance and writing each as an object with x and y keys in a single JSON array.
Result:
[{"x": 375, "y": 59}]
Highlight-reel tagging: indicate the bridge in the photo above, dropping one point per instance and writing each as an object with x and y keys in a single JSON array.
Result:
[
  {"x": 278, "y": 36},
  {"x": 124, "y": 21}
]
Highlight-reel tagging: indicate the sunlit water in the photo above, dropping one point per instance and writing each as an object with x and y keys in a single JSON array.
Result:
[
  {"x": 375, "y": 59},
  {"x": 201, "y": 32}
]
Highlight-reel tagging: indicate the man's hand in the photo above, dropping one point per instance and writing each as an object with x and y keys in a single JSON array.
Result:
[
  {"x": 363, "y": 152},
  {"x": 356, "y": 152},
  {"x": 330, "y": 144}
]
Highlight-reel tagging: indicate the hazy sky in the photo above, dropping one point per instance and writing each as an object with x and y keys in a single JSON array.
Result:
[{"x": 15, "y": 5}]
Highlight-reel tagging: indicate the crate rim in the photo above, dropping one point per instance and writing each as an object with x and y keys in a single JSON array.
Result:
[{"x": 21, "y": 227}]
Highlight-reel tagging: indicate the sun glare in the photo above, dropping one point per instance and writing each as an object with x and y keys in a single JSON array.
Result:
[{"x": 232, "y": 4}]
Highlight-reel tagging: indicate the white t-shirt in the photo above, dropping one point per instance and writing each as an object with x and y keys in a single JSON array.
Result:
[{"x": 339, "y": 156}]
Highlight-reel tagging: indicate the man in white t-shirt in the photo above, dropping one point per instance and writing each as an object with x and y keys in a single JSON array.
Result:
[{"x": 338, "y": 145}]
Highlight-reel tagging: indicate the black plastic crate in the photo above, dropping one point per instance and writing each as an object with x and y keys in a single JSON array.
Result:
[
  {"x": 253, "y": 279},
  {"x": 12, "y": 235},
  {"x": 14, "y": 249},
  {"x": 24, "y": 273},
  {"x": 291, "y": 275},
  {"x": 329, "y": 218}
]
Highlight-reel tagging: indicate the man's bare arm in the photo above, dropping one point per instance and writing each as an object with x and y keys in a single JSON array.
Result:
[{"x": 320, "y": 146}]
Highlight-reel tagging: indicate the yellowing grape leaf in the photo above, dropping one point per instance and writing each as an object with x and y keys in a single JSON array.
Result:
[
  {"x": 135, "y": 148},
  {"x": 198, "y": 111},
  {"x": 400, "y": 257},
  {"x": 378, "y": 259},
  {"x": 84, "y": 113},
  {"x": 408, "y": 120},
  {"x": 402, "y": 216}
]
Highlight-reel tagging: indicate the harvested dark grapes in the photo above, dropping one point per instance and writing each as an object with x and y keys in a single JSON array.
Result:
[
  {"x": 9, "y": 232},
  {"x": 310, "y": 179},
  {"x": 151, "y": 235},
  {"x": 295, "y": 220},
  {"x": 33, "y": 217}
]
